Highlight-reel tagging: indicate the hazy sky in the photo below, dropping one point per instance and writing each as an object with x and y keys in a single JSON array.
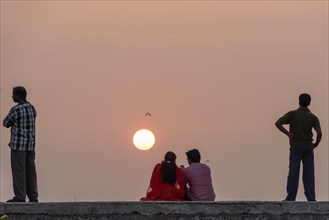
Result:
[{"x": 215, "y": 75}]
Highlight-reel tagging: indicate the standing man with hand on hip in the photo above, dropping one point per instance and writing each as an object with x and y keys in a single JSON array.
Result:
[
  {"x": 21, "y": 121},
  {"x": 301, "y": 122}
]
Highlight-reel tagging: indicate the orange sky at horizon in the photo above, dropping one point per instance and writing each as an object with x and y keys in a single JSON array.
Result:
[{"x": 215, "y": 75}]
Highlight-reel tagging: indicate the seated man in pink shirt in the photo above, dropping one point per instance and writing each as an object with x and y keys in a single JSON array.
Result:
[{"x": 198, "y": 179}]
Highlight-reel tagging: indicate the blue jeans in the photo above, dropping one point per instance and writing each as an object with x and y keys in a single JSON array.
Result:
[{"x": 295, "y": 157}]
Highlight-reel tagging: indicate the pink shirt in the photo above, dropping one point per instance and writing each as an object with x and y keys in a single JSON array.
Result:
[{"x": 198, "y": 177}]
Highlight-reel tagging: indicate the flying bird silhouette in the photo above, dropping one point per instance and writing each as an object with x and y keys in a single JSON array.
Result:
[{"x": 148, "y": 114}]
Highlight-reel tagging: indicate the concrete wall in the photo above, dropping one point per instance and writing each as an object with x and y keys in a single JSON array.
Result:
[{"x": 167, "y": 210}]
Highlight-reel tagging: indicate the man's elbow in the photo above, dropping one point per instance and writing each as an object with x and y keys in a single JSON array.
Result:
[
  {"x": 7, "y": 125},
  {"x": 278, "y": 124}
]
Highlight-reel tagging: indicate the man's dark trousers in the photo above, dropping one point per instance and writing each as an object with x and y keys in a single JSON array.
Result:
[
  {"x": 295, "y": 157},
  {"x": 24, "y": 174}
]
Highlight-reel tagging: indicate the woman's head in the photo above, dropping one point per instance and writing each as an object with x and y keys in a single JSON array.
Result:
[
  {"x": 170, "y": 156},
  {"x": 168, "y": 168}
]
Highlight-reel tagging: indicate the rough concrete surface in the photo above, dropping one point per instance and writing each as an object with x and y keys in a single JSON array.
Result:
[{"x": 247, "y": 210}]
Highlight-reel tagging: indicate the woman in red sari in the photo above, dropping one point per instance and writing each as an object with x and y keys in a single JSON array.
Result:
[{"x": 167, "y": 181}]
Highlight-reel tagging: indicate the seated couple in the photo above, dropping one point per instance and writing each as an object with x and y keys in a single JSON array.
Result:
[{"x": 170, "y": 183}]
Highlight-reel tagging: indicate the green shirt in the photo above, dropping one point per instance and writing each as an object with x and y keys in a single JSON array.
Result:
[{"x": 301, "y": 121}]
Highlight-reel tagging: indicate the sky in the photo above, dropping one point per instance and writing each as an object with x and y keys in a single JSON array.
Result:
[{"x": 215, "y": 75}]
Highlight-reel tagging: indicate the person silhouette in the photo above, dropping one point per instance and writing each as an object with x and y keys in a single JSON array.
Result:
[
  {"x": 301, "y": 122},
  {"x": 198, "y": 179},
  {"x": 21, "y": 120},
  {"x": 167, "y": 181}
]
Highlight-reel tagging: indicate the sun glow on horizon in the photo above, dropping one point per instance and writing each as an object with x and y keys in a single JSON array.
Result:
[{"x": 144, "y": 139}]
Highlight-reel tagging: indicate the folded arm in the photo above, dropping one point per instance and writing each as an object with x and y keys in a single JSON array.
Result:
[{"x": 8, "y": 121}]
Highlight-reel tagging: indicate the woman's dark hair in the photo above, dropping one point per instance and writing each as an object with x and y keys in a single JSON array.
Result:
[
  {"x": 20, "y": 91},
  {"x": 304, "y": 99},
  {"x": 168, "y": 168},
  {"x": 194, "y": 156}
]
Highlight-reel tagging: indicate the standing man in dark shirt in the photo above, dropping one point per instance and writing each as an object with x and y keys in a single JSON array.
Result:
[
  {"x": 21, "y": 121},
  {"x": 301, "y": 122}
]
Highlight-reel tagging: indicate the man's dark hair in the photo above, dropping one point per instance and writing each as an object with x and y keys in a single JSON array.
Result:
[
  {"x": 168, "y": 168},
  {"x": 20, "y": 91},
  {"x": 304, "y": 99},
  {"x": 194, "y": 156}
]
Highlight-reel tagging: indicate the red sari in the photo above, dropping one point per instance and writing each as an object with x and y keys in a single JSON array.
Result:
[{"x": 158, "y": 190}]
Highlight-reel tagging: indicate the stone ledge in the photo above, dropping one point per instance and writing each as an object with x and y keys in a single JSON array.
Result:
[{"x": 166, "y": 210}]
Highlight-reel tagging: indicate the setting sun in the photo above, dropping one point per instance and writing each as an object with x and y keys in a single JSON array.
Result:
[{"x": 144, "y": 139}]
